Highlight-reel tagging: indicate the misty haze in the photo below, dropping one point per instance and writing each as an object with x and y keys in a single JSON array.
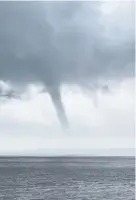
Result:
[{"x": 67, "y": 75}]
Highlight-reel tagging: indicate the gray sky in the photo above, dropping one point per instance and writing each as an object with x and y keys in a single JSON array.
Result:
[{"x": 81, "y": 54}]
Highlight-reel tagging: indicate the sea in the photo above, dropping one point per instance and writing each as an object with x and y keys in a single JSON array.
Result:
[{"x": 67, "y": 178}]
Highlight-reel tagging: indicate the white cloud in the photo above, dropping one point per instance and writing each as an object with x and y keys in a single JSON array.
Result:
[
  {"x": 32, "y": 125},
  {"x": 118, "y": 19}
]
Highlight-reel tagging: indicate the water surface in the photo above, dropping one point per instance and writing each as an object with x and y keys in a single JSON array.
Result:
[{"x": 92, "y": 178}]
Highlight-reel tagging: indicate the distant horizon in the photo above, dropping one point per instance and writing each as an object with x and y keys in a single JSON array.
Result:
[{"x": 95, "y": 153}]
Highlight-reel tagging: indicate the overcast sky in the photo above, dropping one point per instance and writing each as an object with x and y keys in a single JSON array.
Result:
[{"x": 70, "y": 63}]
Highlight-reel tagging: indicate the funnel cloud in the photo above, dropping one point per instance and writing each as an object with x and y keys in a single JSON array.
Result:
[{"x": 56, "y": 99}]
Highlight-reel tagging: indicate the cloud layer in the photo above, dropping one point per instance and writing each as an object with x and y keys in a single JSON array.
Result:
[{"x": 58, "y": 42}]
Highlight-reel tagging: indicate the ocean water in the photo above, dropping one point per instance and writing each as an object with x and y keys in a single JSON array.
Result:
[{"x": 94, "y": 178}]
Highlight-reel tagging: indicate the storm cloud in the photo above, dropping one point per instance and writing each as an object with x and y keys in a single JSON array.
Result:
[{"x": 56, "y": 43}]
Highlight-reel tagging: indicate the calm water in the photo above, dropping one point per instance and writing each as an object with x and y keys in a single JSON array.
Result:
[{"x": 94, "y": 178}]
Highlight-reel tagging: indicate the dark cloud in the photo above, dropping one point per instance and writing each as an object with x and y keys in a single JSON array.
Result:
[{"x": 62, "y": 42}]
